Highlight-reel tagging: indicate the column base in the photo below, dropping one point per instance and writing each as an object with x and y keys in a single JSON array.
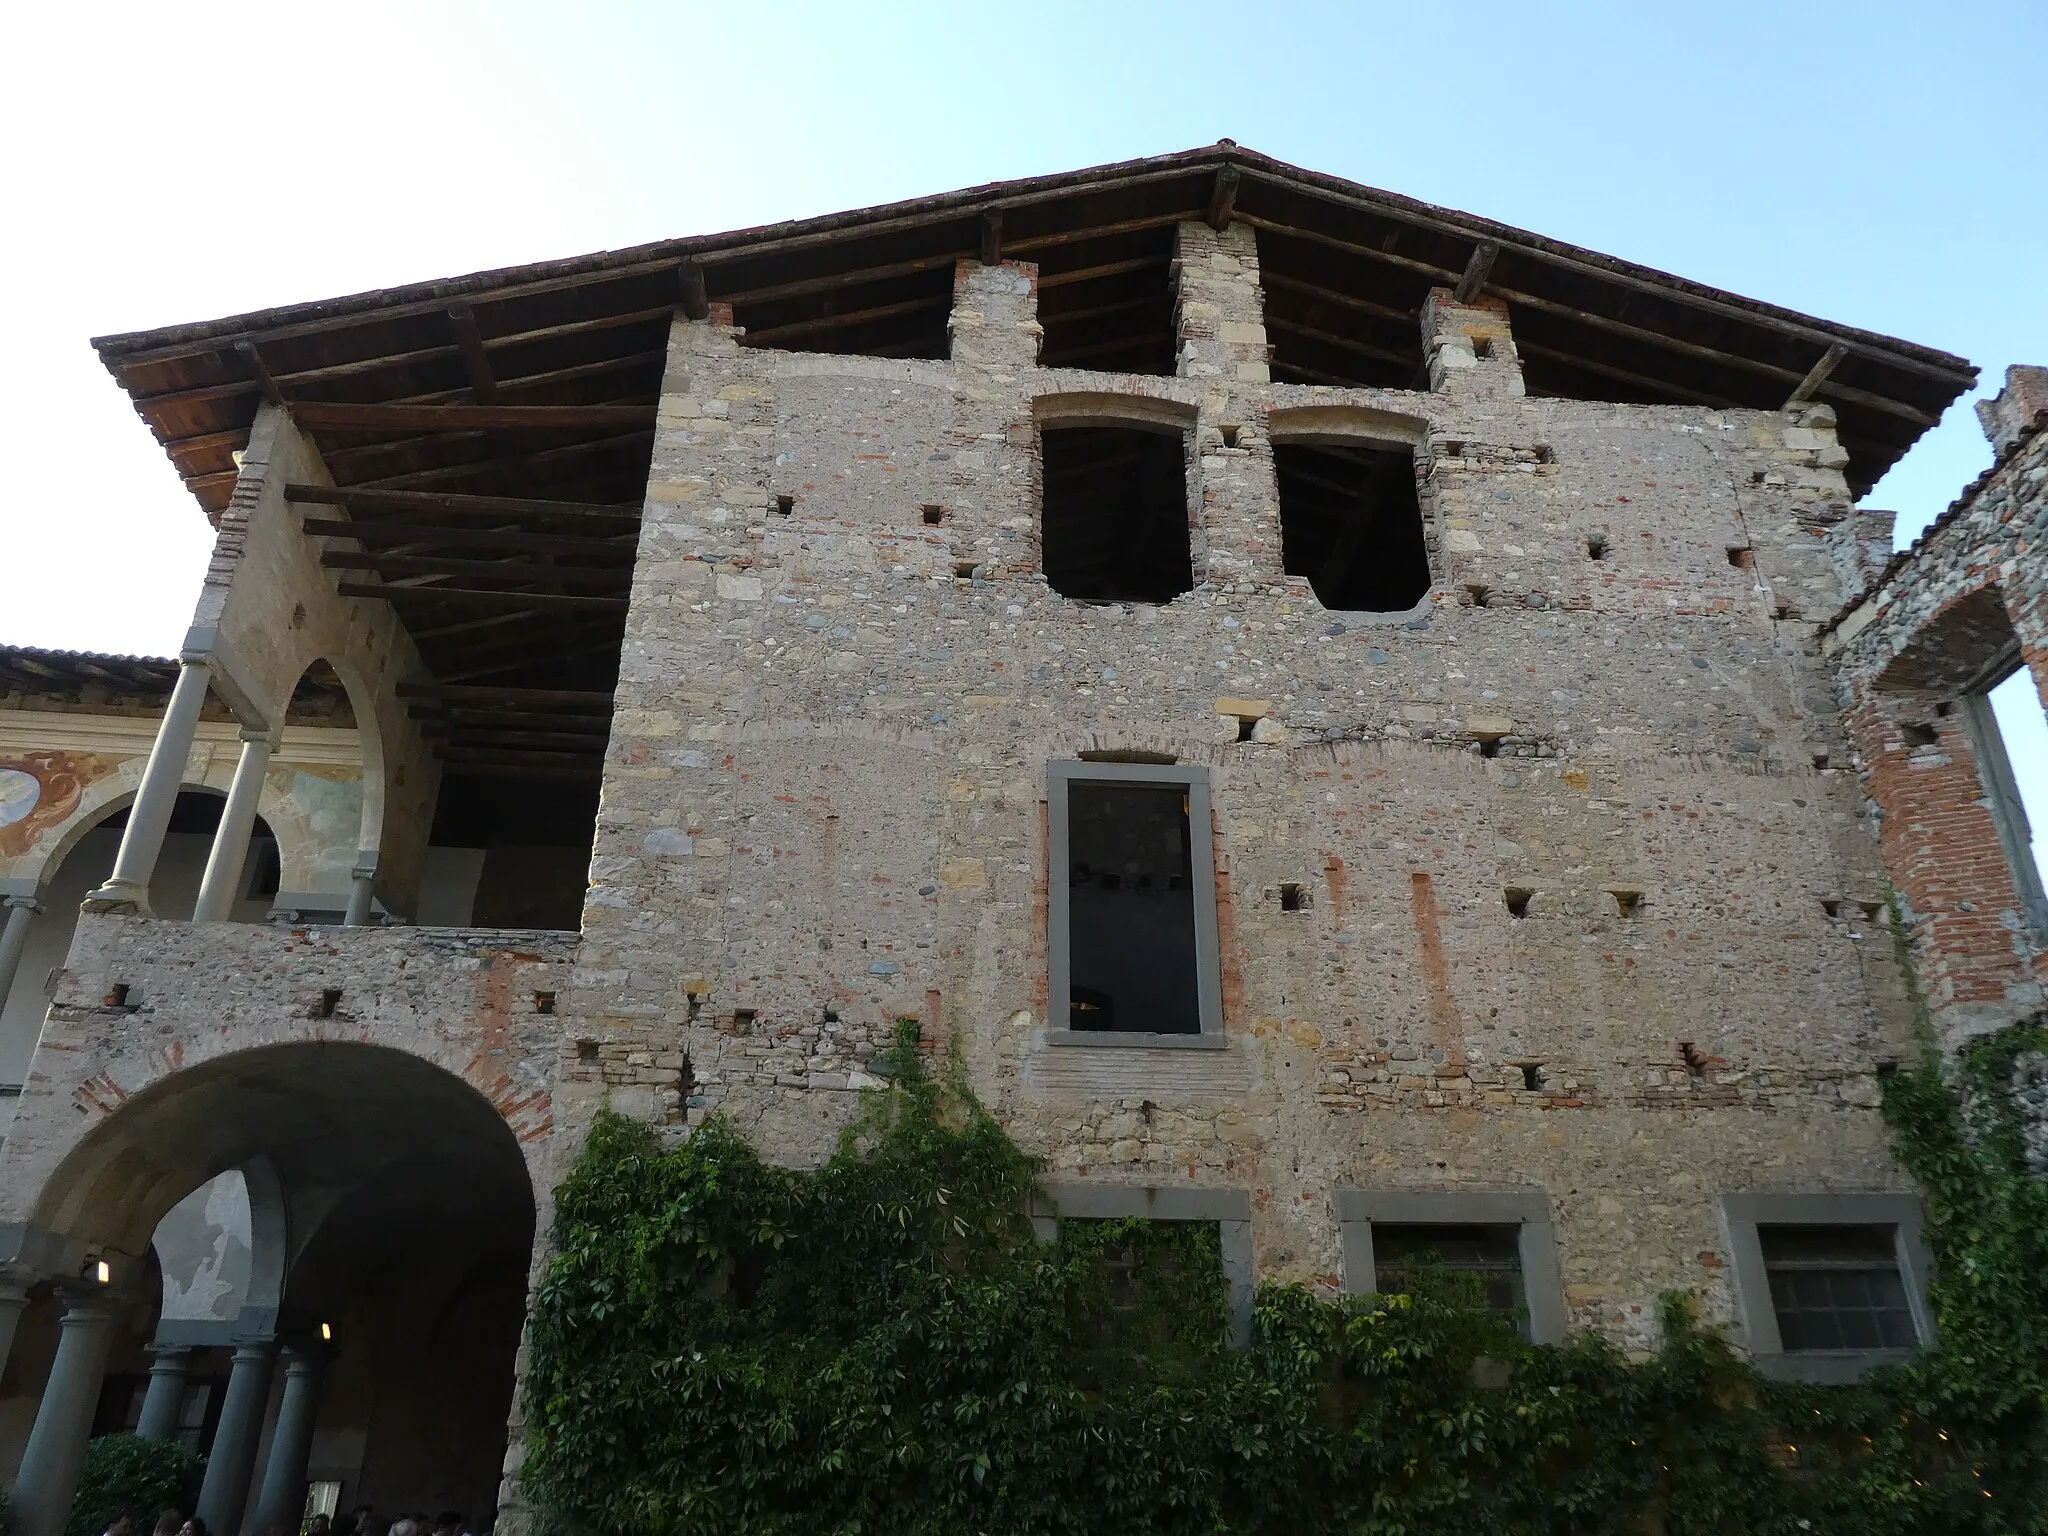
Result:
[{"x": 118, "y": 896}]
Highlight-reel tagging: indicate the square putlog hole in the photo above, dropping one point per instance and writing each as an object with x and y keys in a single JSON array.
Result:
[
  {"x": 1293, "y": 898},
  {"x": 1517, "y": 898}
]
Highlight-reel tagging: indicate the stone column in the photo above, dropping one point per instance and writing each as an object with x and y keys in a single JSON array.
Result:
[
  {"x": 225, "y": 1492},
  {"x": 169, "y": 1366},
  {"x": 56, "y": 1445},
  {"x": 150, "y": 816},
  {"x": 362, "y": 891},
  {"x": 21, "y": 911},
  {"x": 223, "y": 879},
  {"x": 283, "y": 1497},
  {"x": 13, "y": 1297}
]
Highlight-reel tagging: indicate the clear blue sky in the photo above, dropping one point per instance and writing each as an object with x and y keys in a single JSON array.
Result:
[{"x": 1878, "y": 163}]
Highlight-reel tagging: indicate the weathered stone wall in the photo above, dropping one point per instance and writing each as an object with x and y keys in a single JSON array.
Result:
[
  {"x": 824, "y": 800},
  {"x": 145, "y": 1004},
  {"x": 1970, "y": 598}
]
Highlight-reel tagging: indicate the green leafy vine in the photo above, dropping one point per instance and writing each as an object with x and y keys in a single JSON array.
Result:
[{"x": 885, "y": 1345}]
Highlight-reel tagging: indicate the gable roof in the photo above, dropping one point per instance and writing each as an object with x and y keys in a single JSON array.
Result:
[{"x": 1346, "y": 268}]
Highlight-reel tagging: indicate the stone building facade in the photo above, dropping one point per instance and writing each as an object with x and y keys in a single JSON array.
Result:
[{"x": 1535, "y": 887}]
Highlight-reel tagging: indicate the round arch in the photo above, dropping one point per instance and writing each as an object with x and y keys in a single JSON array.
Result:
[
  {"x": 330, "y": 1117},
  {"x": 362, "y": 703}
]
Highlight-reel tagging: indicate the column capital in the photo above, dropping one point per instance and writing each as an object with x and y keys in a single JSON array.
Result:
[
  {"x": 165, "y": 1357},
  {"x": 28, "y": 904}
]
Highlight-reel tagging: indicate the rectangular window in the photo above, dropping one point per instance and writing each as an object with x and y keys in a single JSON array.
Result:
[
  {"x": 1837, "y": 1287},
  {"x": 1132, "y": 906},
  {"x": 1121, "y": 1301},
  {"x": 1351, "y": 522},
  {"x": 1828, "y": 1285},
  {"x": 1502, "y": 1239},
  {"x": 1404, "y": 1254},
  {"x": 1114, "y": 523}
]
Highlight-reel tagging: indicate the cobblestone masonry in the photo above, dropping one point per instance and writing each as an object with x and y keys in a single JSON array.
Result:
[{"x": 844, "y": 676}]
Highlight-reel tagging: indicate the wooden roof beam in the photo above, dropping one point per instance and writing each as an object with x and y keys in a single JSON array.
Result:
[
  {"x": 755, "y": 338},
  {"x": 1816, "y": 376},
  {"x": 451, "y": 501},
  {"x": 696, "y": 299},
  {"x": 1271, "y": 279},
  {"x": 475, "y": 361},
  {"x": 1344, "y": 343},
  {"x": 385, "y": 564},
  {"x": 384, "y": 533},
  {"x": 991, "y": 237},
  {"x": 1223, "y": 198},
  {"x": 1107, "y": 269},
  {"x": 467, "y": 597},
  {"x": 454, "y": 693},
  {"x": 337, "y": 417}
]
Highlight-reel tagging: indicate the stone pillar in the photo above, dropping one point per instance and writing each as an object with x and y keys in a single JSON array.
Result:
[
  {"x": 169, "y": 1366},
  {"x": 223, "y": 879},
  {"x": 13, "y": 1297},
  {"x": 56, "y": 1445},
  {"x": 150, "y": 816},
  {"x": 1469, "y": 346},
  {"x": 225, "y": 1492},
  {"x": 283, "y": 1497},
  {"x": 21, "y": 911},
  {"x": 1220, "y": 342}
]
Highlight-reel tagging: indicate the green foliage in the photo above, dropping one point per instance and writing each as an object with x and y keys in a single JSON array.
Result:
[
  {"x": 884, "y": 1346},
  {"x": 136, "y": 1476}
]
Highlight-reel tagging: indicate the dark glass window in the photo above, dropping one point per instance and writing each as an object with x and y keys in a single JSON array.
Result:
[
  {"x": 1837, "y": 1287},
  {"x": 1492, "y": 1255},
  {"x": 1131, "y": 909}
]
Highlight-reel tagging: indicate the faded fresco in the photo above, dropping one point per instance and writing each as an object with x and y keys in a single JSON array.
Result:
[
  {"x": 38, "y": 790},
  {"x": 203, "y": 1248}
]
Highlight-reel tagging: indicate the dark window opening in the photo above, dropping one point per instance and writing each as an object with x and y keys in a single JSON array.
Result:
[
  {"x": 1596, "y": 546},
  {"x": 1107, "y": 304},
  {"x": 543, "y": 1002},
  {"x": 330, "y": 999},
  {"x": 1486, "y": 1259},
  {"x": 933, "y": 514},
  {"x": 1115, "y": 514},
  {"x": 1246, "y": 728},
  {"x": 1517, "y": 900},
  {"x": 1920, "y": 734},
  {"x": 1837, "y": 1287},
  {"x": 1532, "y": 1076},
  {"x": 534, "y": 836},
  {"x": 1293, "y": 899},
  {"x": 1131, "y": 910},
  {"x": 1351, "y": 522},
  {"x": 785, "y": 505},
  {"x": 1741, "y": 557},
  {"x": 1339, "y": 317}
]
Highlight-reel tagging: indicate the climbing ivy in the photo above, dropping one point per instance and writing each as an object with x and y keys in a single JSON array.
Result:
[{"x": 884, "y": 1345}]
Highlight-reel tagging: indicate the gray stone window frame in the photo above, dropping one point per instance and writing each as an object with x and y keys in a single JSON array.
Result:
[
  {"x": 1230, "y": 1209},
  {"x": 2002, "y": 791},
  {"x": 1527, "y": 1210},
  {"x": 1745, "y": 1211},
  {"x": 1059, "y": 778}
]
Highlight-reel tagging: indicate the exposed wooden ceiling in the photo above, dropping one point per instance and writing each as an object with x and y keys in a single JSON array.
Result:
[{"x": 537, "y": 385}]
